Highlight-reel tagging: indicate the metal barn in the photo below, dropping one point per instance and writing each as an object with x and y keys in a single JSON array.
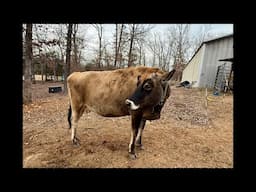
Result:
[{"x": 202, "y": 68}]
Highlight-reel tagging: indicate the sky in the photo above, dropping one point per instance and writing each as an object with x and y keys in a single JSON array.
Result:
[
  {"x": 89, "y": 33},
  {"x": 222, "y": 28},
  {"x": 216, "y": 30}
]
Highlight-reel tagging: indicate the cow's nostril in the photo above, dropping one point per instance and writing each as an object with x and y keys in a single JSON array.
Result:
[{"x": 127, "y": 102}]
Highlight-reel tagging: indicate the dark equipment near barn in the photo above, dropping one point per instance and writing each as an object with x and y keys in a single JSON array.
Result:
[
  {"x": 55, "y": 89},
  {"x": 184, "y": 84}
]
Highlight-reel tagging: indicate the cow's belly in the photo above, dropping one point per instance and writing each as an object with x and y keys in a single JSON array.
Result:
[
  {"x": 109, "y": 109},
  {"x": 109, "y": 101}
]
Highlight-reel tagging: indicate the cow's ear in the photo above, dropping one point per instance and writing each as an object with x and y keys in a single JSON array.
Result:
[
  {"x": 138, "y": 80},
  {"x": 168, "y": 76}
]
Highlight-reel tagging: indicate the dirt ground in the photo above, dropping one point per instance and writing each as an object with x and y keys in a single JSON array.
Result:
[{"x": 187, "y": 136}]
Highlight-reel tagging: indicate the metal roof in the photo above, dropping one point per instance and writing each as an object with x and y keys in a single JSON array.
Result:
[
  {"x": 227, "y": 59},
  {"x": 218, "y": 38},
  {"x": 208, "y": 41}
]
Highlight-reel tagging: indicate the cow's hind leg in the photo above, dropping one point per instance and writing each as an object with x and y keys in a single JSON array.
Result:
[
  {"x": 74, "y": 139},
  {"x": 76, "y": 114},
  {"x": 134, "y": 131},
  {"x": 138, "y": 141}
]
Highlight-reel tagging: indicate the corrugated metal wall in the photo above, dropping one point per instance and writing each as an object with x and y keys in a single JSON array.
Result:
[
  {"x": 214, "y": 50},
  {"x": 191, "y": 72}
]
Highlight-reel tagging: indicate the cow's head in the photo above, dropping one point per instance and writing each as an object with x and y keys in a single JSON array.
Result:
[{"x": 150, "y": 96}]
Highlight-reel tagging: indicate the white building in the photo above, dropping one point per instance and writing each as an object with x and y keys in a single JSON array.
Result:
[{"x": 202, "y": 68}]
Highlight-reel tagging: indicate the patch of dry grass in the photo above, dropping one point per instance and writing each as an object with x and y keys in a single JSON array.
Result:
[{"x": 185, "y": 136}]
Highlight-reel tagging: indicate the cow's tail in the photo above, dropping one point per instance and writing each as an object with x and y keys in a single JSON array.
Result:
[{"x": 69, "y": 116}]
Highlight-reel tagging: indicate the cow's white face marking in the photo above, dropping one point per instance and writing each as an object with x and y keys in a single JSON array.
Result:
[{"x": 132, "y": 104}]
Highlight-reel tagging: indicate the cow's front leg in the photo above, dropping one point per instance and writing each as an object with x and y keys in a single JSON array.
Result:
[
  {"x": 132, "y": 154},
  {"x": 135, "y": 126},
  {"x": 138, "y": 141}
]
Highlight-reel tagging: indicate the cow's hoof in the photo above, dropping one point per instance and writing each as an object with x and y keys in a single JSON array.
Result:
[
  {"x": 132, "y": 156},
  {"x": 76, "y": 141},
  {"x": 139, "y": 146}
]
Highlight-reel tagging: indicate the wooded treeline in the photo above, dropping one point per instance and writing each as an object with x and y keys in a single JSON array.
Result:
[{"x": 53, "y": 51}]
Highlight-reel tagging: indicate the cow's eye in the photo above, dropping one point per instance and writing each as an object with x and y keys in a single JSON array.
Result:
[{"x": 147, "y": 87}]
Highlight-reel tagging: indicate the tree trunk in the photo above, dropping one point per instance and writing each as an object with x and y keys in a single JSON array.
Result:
[
  {"x": 116, "y": 53},
  {"x": 68, "y": 50},
  {"x": 32, "y": 73},
  {"x": 144, "y": 59},
  {"x": 54, "y": 70},
  {"x": 75, "y": 48},
  {"x": 45, "y": 67},
  {"x": 100, "y": 52},
  {"x": 119, "y": 45},
  {"x": 154, "y": 59},
  {"x": 140, "y": 56},
  {"x": 160, "y": 61},
  {"x": 42, "y": 65},
  {"x": 27, "y": 92},
  {"x": 79, "y": 60},
  {"x": 131, "y": 45},
  {"x": 99, "y": 29}
]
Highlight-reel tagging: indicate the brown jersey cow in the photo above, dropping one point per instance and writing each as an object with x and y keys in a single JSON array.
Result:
[{"x": 137, "y": 91}]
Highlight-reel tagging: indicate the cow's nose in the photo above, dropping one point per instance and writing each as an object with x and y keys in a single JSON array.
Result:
[
  {"x": 131, "y": 104},
  {"x": 127, "y": 102}
]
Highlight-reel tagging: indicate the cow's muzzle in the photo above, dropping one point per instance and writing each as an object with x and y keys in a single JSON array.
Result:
[{"x": 131, "y": 104}]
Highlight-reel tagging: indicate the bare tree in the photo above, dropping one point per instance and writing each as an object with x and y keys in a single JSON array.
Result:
[
  {"x": 78, "y": 47},
  {"x": 106, "y": 55},
  {"x": 44, "y": 49},
  {"x": 118, "y": 43},
  {"x": 68, "y": 50},
  {"x": 161, "y": 48},
  {"x": 201, "y": 36},
  {"x": 61, "y": 33},
  {"x": 75, "y": 61},
  {"x": 140, "y": 44},
  {"x": 144, "y": 58},
  {"x": 152, "y": 44},
  {"x": 99, "y": 28},
  {"x": 27, "y": 92},
  {"x": 180, "y": 35},
  {"x": 140, "y": 48},
  {"x": 38, "y": 44},
  {"x": 132, "y": 35},
  {"x": 136, "y": 32}
]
